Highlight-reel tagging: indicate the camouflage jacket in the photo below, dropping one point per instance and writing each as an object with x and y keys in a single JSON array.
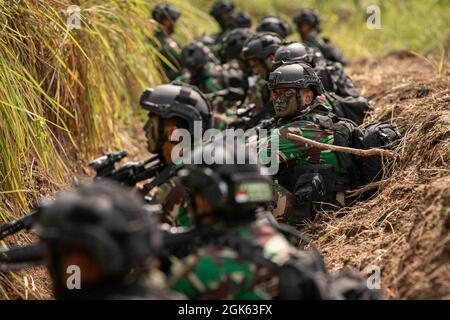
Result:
[
  {"x": 334, "y": 78},
  {"x": 327, "y": 48},
  {"x": 209, "y": 80},
  {"x": 171, "y": 54},
  {"x": 297, "y": 159},
  {"x": 218, "y": 271},
  {"x": 254, "y": 93}
]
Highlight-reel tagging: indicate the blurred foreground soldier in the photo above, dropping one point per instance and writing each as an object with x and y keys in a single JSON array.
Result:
[
  {"x": 171, "y": 107},
  {"x": 102, "y": 234},
  {"x": 167, "y": 15},
  {"x": 308, "y": 25},
  {"x": 313, "y": 176},
  {"x": 245, "y": 255},
  {"x": 276, "y": 25}
]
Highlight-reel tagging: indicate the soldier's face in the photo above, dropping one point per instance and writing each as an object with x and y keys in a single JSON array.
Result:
[
  {"x": 169, "y": 25},
  {"x": 258, "y": 68},
  {"x": 284, "y": 102},
  {"x": 306, "y": 31}
]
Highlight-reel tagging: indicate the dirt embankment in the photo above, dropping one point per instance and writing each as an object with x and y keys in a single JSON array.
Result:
[{"x": 405, "y": 228}]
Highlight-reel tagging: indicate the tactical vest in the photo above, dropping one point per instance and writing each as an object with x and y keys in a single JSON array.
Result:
[{"x": 336, "y": 181}]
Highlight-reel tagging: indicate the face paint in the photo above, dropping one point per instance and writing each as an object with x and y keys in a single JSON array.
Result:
[{"x": 284, "y": 105}]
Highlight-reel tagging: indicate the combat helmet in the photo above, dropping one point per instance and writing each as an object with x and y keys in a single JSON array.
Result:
[
  {"x": 275, "y": 25},
  {"x": 181, "y": 100},
  {"x": 233, "y": 184},
  {"x": 196, "y": 55},
  {"x": 294, "y": 52},
  {"x": 239, "y": 20},
  {"x": 261, "y": 45},
  {"x": 219, "y": 8},
  {"x": 165, "y": 10},
  {"x": 298, "y": 76},
  {"x": 309, "y": 16},
  {"x": 104, "y": 221},
  {"x": 234, "y": 42}
]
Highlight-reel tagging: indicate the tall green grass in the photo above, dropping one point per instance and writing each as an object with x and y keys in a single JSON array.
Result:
[{"x": 65, "y": 94}]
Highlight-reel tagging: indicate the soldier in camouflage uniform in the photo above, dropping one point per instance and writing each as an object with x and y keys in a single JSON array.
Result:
[
  {"x": 276, "y": 25},
  {"x": 171, "y": 107},
  {"x": 226, "y": 198},
  {"x": 104, "y": 231},
  {"x": 332, "y": 74},
  {"x": 167, "y": 15},
  {"x": 308, "y": 25},
  {"x": 311, "y": 176},
  {"x": 223, "y": 85},
  {"x": 245, "y": 254},
  {"x": 339, "y": 88},
  {"x": 221, "y": 11},
  {"x": 258, "y": 51}
]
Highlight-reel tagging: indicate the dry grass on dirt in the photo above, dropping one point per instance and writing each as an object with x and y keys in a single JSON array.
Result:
[{"x": 405, "y": 228}]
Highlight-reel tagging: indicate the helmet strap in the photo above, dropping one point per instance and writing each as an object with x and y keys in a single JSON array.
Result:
[
  {"x": 298, "y": 97},
  {"x": 161, "y": 135}
]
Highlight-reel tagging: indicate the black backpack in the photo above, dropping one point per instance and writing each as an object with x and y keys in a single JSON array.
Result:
[
  {"x": 375, "y": 135},
  {"x": 361, "y": 170},
  {"x": 350, "y": 107}
]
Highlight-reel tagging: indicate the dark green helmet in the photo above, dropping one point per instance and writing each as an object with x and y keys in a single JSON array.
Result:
[
  {"x": 234, "y": 42},
  {"x": 307, "y": 16},
  {"x": 196, "y": 55},
  {"x": 261, "y": 45},
  {"x": 239, "y": 20},
  {"x": 165, "y": 10},
  {"x": 294, "y": 52},
  {"x": 234, "y": 191},
  {"x": 275, "y": 25},
  {"x": 298, "y": 76},
  {"x": 106, "y": 222},
  {"x": 178, "y": 100}
]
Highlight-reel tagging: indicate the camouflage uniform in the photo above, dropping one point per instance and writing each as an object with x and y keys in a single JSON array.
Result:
[
  {"x": 171, "y": 51},
  {"x": 217, "y": 271},
  {"x": 254, "y": 94},
  {"x": 294, "y": 156}
]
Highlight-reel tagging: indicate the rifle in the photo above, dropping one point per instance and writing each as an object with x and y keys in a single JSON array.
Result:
[
  {"x": 130, "y": 173},
  {"x": 15, "y": 226}
]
